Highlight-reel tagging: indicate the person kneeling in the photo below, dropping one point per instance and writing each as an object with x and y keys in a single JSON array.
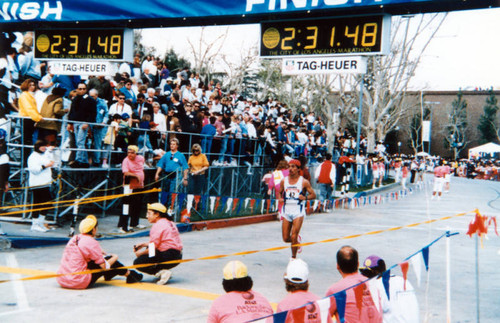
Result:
[
  {"x": 83, "y": 252},
  {"x": 164, "y": 245}
]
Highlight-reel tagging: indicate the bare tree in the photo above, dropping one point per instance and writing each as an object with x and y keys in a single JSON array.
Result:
[
  {"x": 239, "y": 70},
  {"x": 455, "y": 129},
  {"x": 387, "y": 80},
  {"x": 205, "y": 53}
]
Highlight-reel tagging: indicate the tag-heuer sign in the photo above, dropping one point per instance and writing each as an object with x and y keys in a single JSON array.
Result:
[{"x": 324, "y": 65}]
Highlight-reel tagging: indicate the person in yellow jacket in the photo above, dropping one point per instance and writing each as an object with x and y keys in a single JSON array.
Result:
[{"x": 28, "y": 108}]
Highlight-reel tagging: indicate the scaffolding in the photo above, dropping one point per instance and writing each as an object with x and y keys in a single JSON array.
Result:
[{"x": 99, "y": 190}]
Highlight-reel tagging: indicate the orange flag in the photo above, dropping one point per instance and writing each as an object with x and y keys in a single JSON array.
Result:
[
  {"x": 404, "y": 269},
  {"x": 358, "y": 293}
]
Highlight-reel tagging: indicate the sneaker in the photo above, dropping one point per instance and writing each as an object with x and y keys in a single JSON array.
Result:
[
  {"x": 125, "y": 231},
  {"x": 105, "y": 165},
  {"x": 164, "y": 276},
  {"x": 134, "y": 277},
  {"x": 38, "y": 228},
  {"x": 140, "y": 226}
]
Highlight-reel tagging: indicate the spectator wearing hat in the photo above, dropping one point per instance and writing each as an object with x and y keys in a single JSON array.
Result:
[
  {"x": 297, "y": 285},
  {"x": 122, "y": 138},
  {"x": 164, "y": 245},
  {"x": 240, "y": 303},
  {"x": 347, "y": 265},
  {"x": 133, "y": 176},
  {"x": 52, "y": 108},
  {"x": 402, "y": 303},
  {"x": 82, "y": 253},
  {"x": 294, "y": 190}
]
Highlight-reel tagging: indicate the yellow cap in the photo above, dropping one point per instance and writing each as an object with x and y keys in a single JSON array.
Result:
[
  {"x": 157, "y": 207},
  {"x": 88, "y": 224},
  {"x": 134, "y": 148},
  {"x": 235, "y": 269}
]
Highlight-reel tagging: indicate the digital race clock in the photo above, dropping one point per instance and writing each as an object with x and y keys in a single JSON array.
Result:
[
  {"x": 103, "y": 44},
  {"x": 326, "y": 36}
]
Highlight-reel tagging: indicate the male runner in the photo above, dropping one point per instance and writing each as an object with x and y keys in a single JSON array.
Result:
[{"x": 294, "y": 190}]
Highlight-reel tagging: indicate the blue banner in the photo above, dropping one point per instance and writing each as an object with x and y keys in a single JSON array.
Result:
[{"x": 125, "y": 10}]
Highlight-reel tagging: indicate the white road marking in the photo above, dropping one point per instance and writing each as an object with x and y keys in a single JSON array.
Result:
[{"x": 22, "y": 299}]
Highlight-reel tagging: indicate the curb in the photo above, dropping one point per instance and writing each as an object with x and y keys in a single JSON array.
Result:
[{"x": 224, "y": 223}]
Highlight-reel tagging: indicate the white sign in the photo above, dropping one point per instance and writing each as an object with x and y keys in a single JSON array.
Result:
[
  {"x": 324, "y": 65},
  {"x": 426, "y": 131},
  {"x": 78, "y": 67}
]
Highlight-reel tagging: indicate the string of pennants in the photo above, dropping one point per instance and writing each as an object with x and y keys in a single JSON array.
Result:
[
  {"x": 235, "y": 205},
  {"x": 416, "y": 260}
]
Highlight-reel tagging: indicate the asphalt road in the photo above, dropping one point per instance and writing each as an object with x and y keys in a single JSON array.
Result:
[{"x": 188, "y": 295}]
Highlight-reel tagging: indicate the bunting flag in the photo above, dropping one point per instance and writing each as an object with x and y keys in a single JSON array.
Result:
[
  {"x": 404, "y": 269},
  {"x": 308, "y": 207},
  {"x": 180, "y": 198},
  {"x": 185, "y": 216},
  {"x": 297, "y": 314},
  {"x": 276, "y": 205},
  {"x": 279, "y": 317},
  {"x": 203, "y": 203},
  {"x": 425, "y": 255},
  {"x": 212, "y": 204},
  {"x": 417, "y": 267},
  {"x": 262, "y": 207},
  {"x": 246, "y": 202},
  {"x": 229, "y": 203},
  {"x": 197, "y": 199},
  {"x": 324, "y": 309},
  {"x": 340, "y": 300},
  {"x": 386, "y": 276},
  {"x": 240, "y": 205},
  {"x": 235, "y": 204},
  {"x": 218, "y": 202},
  {"x": 268, "y": 205},
  {"x": 252, "y": 204},
  {"x": 189, "y": 203},
  {"x": 358, "y": 294},
  {"x": 315, "y": 206}
]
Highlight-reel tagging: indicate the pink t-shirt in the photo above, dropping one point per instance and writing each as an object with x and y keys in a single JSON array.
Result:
[
  {"x": 135, "y": 166},
  {"x": 439, "y": 171},
  {"x": 369, "y": 311},
  {"x": 80, "y": 250},
  {"x": 165, "y": 235},
  {"x": 405, "y": 172},
  {"x": 310, "y": 313},
  {"x": 237, "y": 307}
]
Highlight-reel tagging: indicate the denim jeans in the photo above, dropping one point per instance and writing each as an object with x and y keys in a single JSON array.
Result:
[
  {"x": 81, "y": 137},
  {"x": 143, "y": 141},
  {"x": 98, "y": 133},
  {"x": 223, "y": 147},
  {"x": 325, "y": 192}
]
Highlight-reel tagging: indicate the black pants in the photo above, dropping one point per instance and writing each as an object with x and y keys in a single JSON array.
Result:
[
  {"x": 413, "y": 173},
  {"x": 108, "y": 274},
  {"x": 160, "y": 256},
  {"x": 134, "y": 210},
  {"x": 40, "y": 195}
]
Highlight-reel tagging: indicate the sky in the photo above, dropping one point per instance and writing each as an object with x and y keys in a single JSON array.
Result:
[{"x": 464, "y": 54}]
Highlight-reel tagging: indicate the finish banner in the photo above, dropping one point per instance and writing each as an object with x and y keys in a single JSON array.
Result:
[{"x": 125, "y": 10}]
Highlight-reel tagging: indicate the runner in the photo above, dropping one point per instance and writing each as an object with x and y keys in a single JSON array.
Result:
[{"x": 293, "y": 193}]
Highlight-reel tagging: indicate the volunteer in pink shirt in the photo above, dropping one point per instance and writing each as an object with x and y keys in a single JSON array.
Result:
[
  {"x": 240, "y": 303},
  {"x": 347, "y": 265},
  {"x": 297, "y": 285},
  {"x": 133, "y": 175},
  {"x": 164, "y": 245},
  {"x": 439, "y": 174},
  {"x": 83, "y": 252}
]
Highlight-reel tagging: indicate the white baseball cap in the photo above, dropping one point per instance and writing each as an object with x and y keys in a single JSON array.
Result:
[{"x": 297, "y": 271}]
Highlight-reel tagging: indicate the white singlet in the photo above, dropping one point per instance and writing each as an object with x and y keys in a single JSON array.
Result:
[{"x": 293, "y": 207}]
